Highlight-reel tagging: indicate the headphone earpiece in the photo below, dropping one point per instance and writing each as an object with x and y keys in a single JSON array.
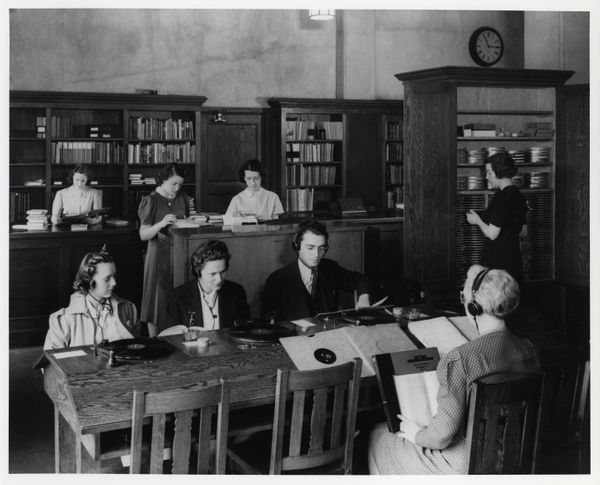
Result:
[
  {"x": 296, "y": 243},
  {"x": 473, "y": 307}
]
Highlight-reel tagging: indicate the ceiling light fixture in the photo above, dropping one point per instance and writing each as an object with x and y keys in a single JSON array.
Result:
[{"x": 321, "y": 14}]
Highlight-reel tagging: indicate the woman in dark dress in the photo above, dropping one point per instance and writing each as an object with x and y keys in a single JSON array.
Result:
[
  {"x": 504, "y": 218},
  {"x": 158, "y": 210}
]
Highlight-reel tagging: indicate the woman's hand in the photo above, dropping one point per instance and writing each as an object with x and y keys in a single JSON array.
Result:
[
  {"x": 473, "y": 218},
  {"x": 168, "y": 219},
  {"x": 408, "y": 429}
]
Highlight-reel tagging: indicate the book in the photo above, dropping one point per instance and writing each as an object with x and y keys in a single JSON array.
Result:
[
  {"x": 342, "y": 345},
  {"x": 437, "y": 332},
  {"x": 408, "y": 385}
]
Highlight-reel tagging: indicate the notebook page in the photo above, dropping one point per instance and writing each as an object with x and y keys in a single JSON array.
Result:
[
  {"x": 417, "y": 396},
  {"x": 437, "y": 332}
]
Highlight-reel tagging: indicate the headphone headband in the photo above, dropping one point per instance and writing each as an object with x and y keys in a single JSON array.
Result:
[{"x": 473, "y": 307}]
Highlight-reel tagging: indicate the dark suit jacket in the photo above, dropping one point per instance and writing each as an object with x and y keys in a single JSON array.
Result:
[
  {"x": 286, "y": 295},
  {"x": 185, "y": 298}
]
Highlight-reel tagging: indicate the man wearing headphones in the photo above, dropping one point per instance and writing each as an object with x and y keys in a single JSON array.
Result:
[
  {"x": 95, "y": 313},
  {"x": 209, "y": 300},
  {"x": 311, "y": 284}
]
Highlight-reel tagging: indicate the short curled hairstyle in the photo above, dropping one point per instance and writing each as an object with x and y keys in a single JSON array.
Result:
[
  {"x": 502, "y": 165},
  {"x": 170, "y": 170},
  {"x": 498, "y": 294},
  {"x": 87, "y": 270},
  {"x": 212, "y": 250},
  {"x": 79, "y": 169},
  {"x": 252, "y": 165}
]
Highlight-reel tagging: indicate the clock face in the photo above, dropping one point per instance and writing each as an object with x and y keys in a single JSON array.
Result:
[{"x": 486, "y": 46}]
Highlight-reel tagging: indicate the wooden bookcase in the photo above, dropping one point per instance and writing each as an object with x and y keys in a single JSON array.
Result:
[
  {"x": 331, "y": 148},
  {"x": 439, "y": 245},
  {"x": 51, "y": 132}
]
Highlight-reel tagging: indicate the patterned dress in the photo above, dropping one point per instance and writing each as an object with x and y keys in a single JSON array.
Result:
[
  {"x": 493, "y": 357},
  {"x": 152, "y": 210}
]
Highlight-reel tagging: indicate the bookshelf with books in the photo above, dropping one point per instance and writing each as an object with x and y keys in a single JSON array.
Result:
[
  {"x": 393, "y": 158},
  {"x": 467, "y": 114},
  {"x": 114, "y": 134},
  {"x": 327, "y": 149}
]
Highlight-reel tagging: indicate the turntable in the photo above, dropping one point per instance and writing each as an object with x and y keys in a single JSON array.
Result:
[
  {"x": 259, "y": 334},
  {"x": 138, "y": 348}
]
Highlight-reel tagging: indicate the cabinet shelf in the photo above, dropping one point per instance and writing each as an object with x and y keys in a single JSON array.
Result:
[
  {"x": 490, "y": 191},
  {"x": 157, "y": 165},
  {"x": 517, "y": 165},
  {"x": 87, "y": 139},
  {"x": 504, "y": 138},
  {"x": 87, "y": 164},
  {"x": 306, "y": 140},
  {"x": 293, "y": 164},
  {"x": 161, "y": 140},
  {"x": 14, "y": 164},
  {"x": 506, "y": 112},
  {"x": 26, "y": 138},
  {"x": 34, "y": 187}
]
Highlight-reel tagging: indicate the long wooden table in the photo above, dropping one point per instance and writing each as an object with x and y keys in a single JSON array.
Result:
[{"x": 91, "y": 400}]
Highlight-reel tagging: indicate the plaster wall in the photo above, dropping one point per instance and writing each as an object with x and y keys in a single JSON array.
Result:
[{"x": 242, "y": 57}]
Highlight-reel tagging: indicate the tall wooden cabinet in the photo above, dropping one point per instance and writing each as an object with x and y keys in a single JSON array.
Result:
[
  {"x": 326, "y": 149},
  {"x": 513, "y": 110},
  {"x": 123, "y": 138}
]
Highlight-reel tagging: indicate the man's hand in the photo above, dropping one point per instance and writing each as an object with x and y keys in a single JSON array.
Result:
[
  {"x": 364, "y": 300},
  {"x": 408, "y": 429}
]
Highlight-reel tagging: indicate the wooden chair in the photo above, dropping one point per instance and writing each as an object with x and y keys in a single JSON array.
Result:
[
  {"x": 503, "y": 426},
  {"x": 566, "y": 409},
  {"x": 182, "y": 403},
  {"x": 318, "y": 433}
]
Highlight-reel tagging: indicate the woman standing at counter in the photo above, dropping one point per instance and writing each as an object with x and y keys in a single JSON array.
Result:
[
  {"x": 157, "y": 211},
  {"x": 254, "y": 200},
  {"x": 77, "y": 199}
]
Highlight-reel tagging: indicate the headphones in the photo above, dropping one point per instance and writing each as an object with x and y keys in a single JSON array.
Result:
[
  {"x": 473, "y": 307},
  {"x": 306, "y": 227}
]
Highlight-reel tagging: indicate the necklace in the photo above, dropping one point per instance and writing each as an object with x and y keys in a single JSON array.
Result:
[{"x": 210, "y": 307}]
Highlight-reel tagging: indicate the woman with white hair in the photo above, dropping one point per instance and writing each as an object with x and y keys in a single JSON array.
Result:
[{"x": 495, "y": 355}]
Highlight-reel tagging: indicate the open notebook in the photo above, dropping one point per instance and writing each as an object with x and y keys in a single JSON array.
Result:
[
  {"x": 437, "y": 332},
  {"x": 341, "y": 345},
  {"x": 408, "y": 385}
]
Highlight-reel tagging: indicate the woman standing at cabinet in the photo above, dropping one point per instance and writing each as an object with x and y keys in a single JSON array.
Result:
[
  {"x": 158, "y": 210},
  {"x": 77, "y": 199},
  {"x": 503, "y": 219}
]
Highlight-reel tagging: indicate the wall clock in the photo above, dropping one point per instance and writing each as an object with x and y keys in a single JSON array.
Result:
[{"x": 486, "y": 46}]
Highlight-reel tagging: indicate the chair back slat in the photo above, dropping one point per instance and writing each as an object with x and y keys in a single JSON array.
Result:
[
  {"x": 157, "y": 445},
  {"x": 318, "y": 421},
  {"x": 503, "y": 426},
  {"x": 351, "y": 410},
  {"x": 182, "y": 442},
  {"x": 296, "y": 423},
  {"x": 222, "y": 430},
  {"x": 279, "y": 422},
  {"x": 183, "y": 404},
  {"x": 336, "y": 415},
  {"x": 204, "y": 423}
]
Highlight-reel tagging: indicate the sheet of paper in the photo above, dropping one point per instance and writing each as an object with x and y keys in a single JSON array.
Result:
[
  {"x": 377, "y": 339},
  {"x": 303, "y": 323},
  {"x": 417, "y": 396},
  {"x": 72, "y": 353},
  {"x": 437, "y": 332}
]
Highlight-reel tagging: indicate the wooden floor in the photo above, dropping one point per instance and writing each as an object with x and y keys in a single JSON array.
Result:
[{"x": 31, "y": 433}]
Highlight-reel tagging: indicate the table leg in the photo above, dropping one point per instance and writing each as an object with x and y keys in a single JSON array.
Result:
[{"x": 70, "y": 454}]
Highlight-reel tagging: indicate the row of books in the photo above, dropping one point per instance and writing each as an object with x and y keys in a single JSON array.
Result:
[
  {"x": 18, "y": 206},
  {"x": 139, "y": 179},
  {"x": 539, "y": 128},
  {"x": 37, "y": 219},
  {"x": 393, "y": 174},
  {"x": 322, "y": 130},
  {"x": 309, "y": 152},
  {"x": 158, "y": 129},
  {"x": 393, "y": 152},
  {"x": 40, "y": 126},
  {"x": 61, "y": 126},
  {"x": 299, "y": 200},
  {"x": 86, "y": 152},
  {"x": 161, "y": 153},
  {"x": 394, "y": 129},
  {"x": 320, "y": 175}
]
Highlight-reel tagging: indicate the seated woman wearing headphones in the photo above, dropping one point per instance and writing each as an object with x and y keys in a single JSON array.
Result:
[
  {"x": 208, "y": 301},
  {"x": 496, "y": 355},
  {"x": 94, "y": 313}
]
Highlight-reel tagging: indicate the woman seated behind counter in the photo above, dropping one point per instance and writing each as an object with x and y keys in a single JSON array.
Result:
[
  {"x": 95, "y": 312},
  {"x": 496, "y": 355},
  {"x": 77, "y": 199},
  {"x": 254, "y": 200}
]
